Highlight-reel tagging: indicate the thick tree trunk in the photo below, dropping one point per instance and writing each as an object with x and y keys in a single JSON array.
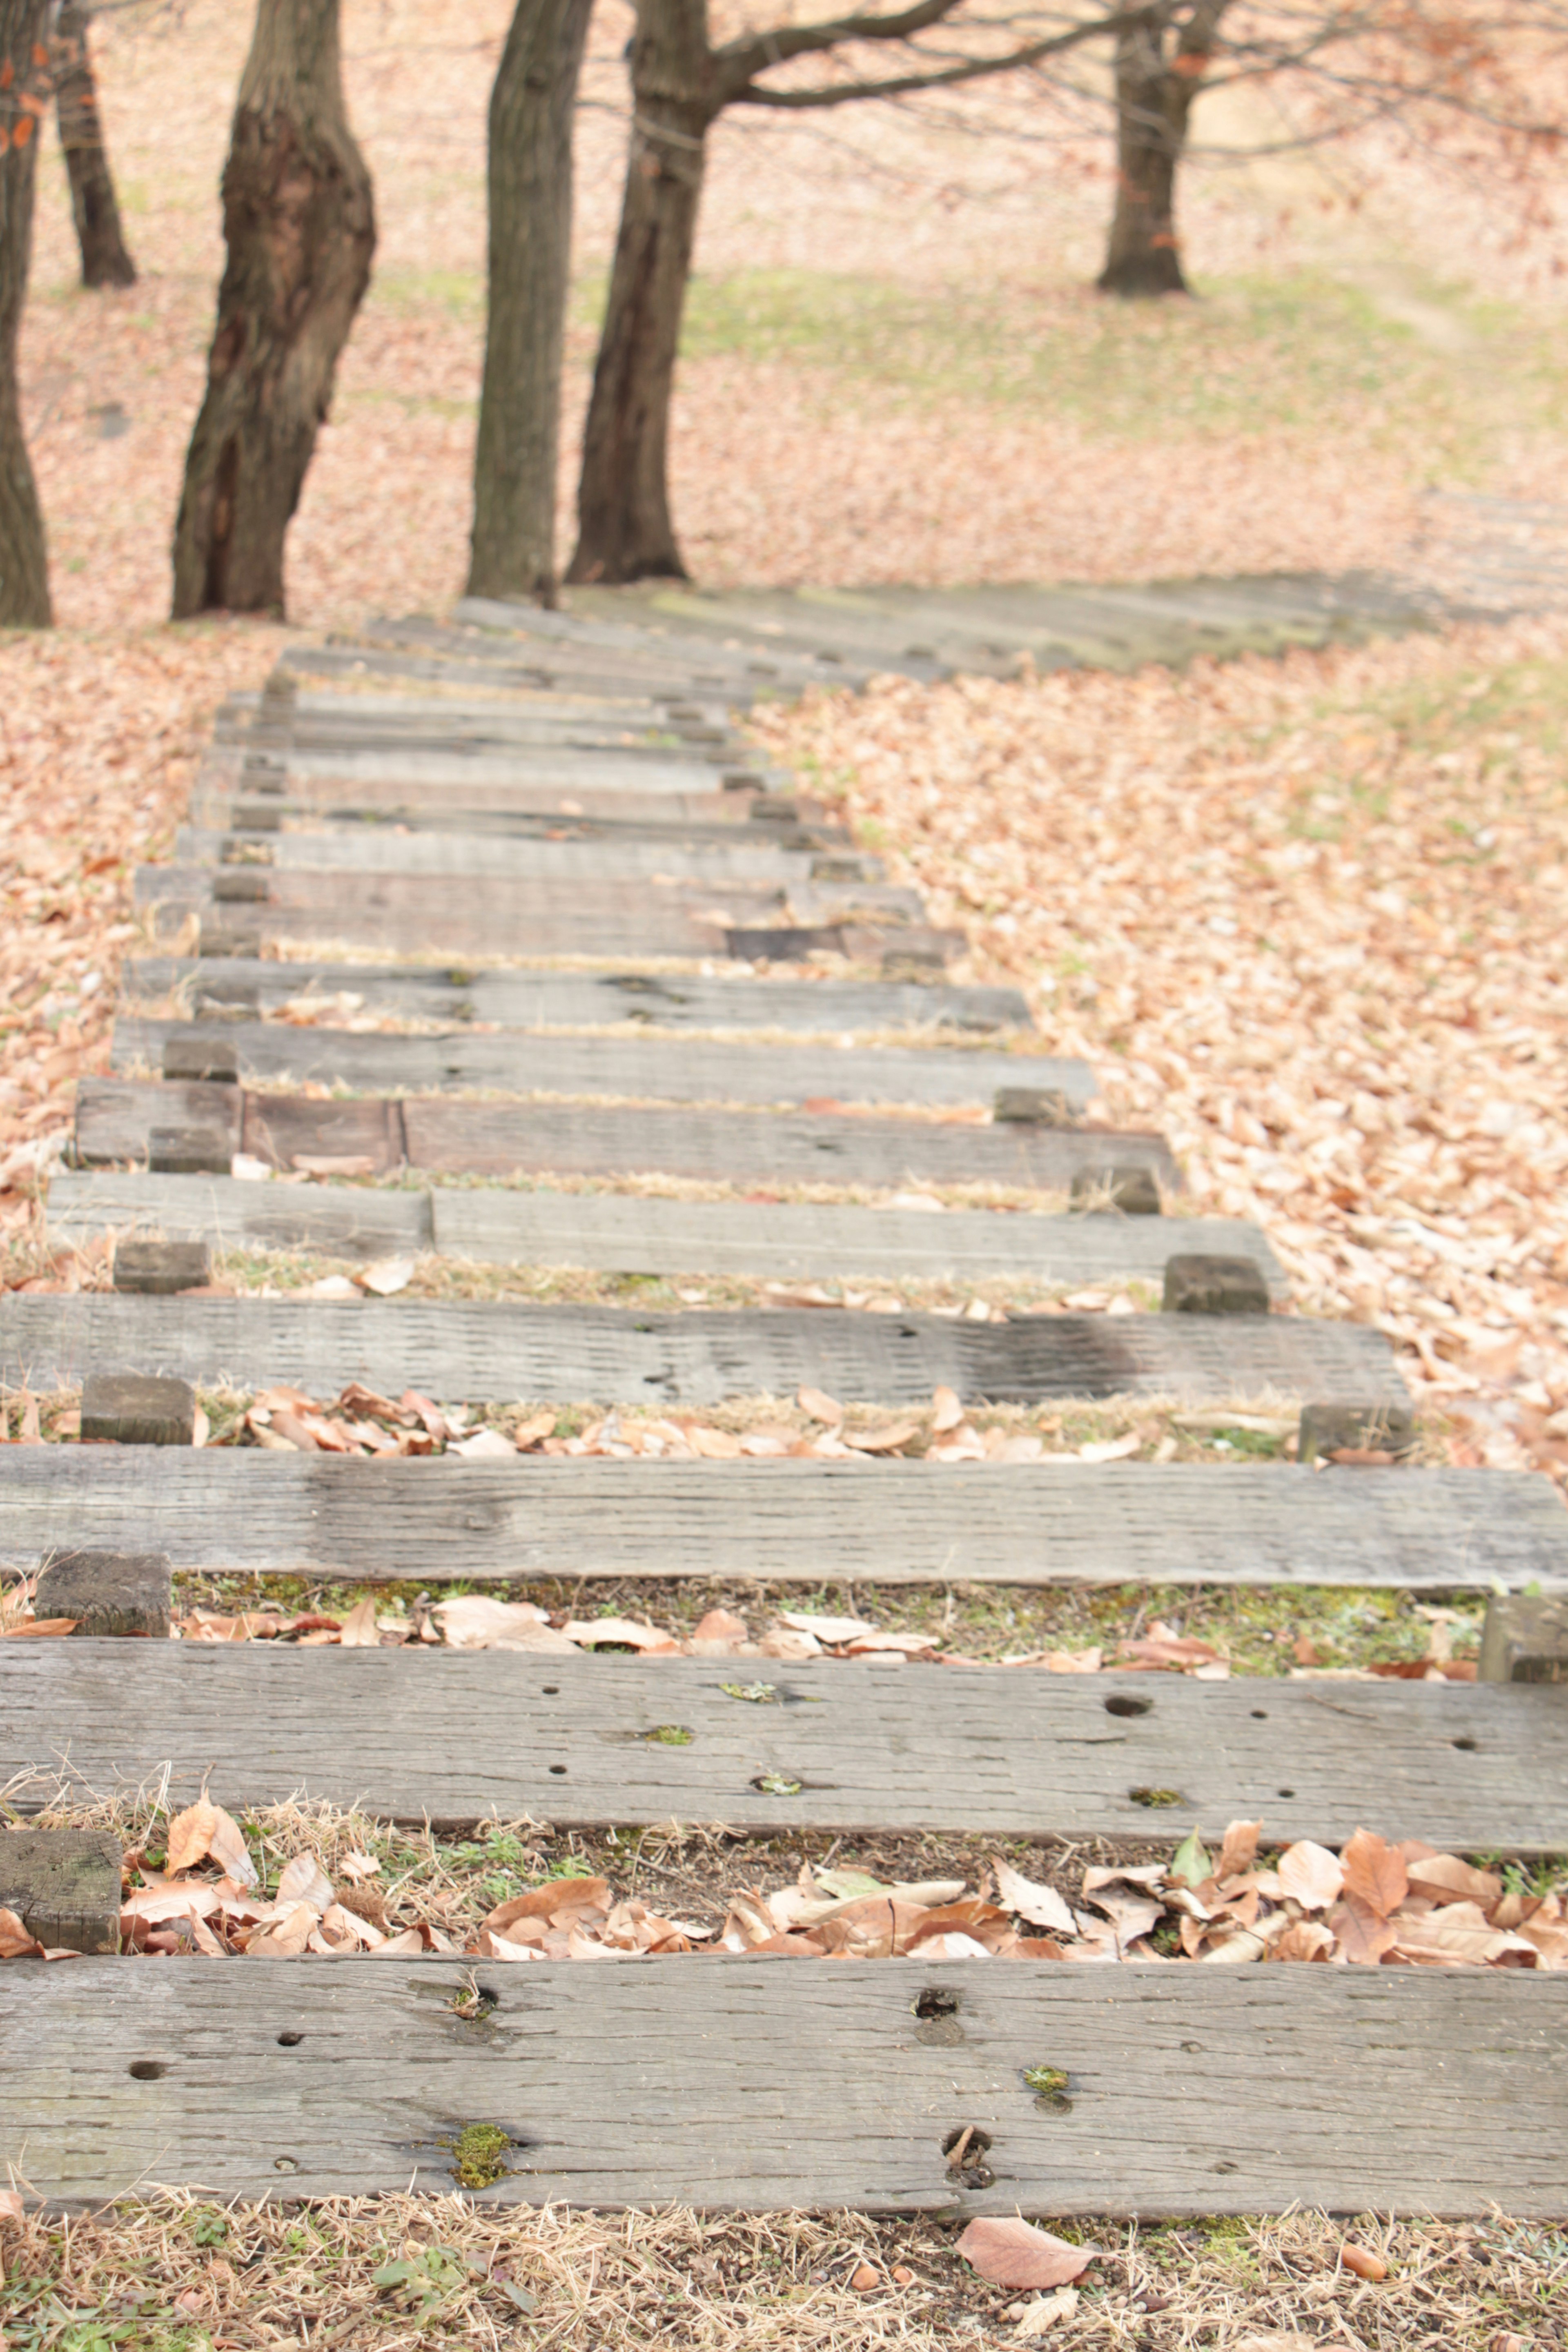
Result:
[
  {"x": 1143, "y": 257},
  {"x": 300, "y": 227},
  {"x": 23, "y": 559},
  {"x": 518, "y": 452},
  {"x": 105, "y": 260},
  {"x": 623, "y": 506}
]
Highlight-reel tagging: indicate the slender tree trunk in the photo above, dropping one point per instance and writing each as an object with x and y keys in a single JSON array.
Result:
[
  {"x": 24, "y": 557},
  {"x": 300, "y": 227},
  {"x": 105, "y": 260},
  {"x": 517, "y": 457},
  {"x": 1143, "y": 258},
  {"x": 623, "y": 507}
]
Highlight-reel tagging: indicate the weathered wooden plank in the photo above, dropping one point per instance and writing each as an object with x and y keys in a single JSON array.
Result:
[
  {"x": 555, "y": 768},
  {"x": 1194, "y": 2091},
  {"x": 368, "y": 849},
  {"x": 384, "y": 798},
  {"x": 624, "y": 1233},
  {"x": 470, "y": 914},
  {"x": 643, "y": 642},
  {"x": 619, "y": 1233},
  {"x": 750, "y": 1147},
  {"x": 628, "y": 1356},
  {"x": 528, "y": 1000},
  {"x": 665, "y": 1069},
  {"x": 454, "y": 1735},
  {"x": 260, "y": 819},
  {"x": 788, "y": 1521},
  {"x": 343, "y": 1218}
]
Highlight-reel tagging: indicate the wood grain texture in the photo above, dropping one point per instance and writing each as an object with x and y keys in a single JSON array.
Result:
[
  {"x": 343, "y": 1218},
  {"x": 757, "y": 2084},
  {"x": 476, "y": 914},
  {"x": 665, "y": 1069},
  {"x": 631, "y": 1356},
  {"x": 460, "y": 1735},
  {"x": 624, "y": 1233},
  {"x": 741, "y": 1147},
  {"x": 567, "y": 1000},
  {"x": 787, "y": 1521},
  {"x": 370, "y": 849},
  {"x": 621, "y": 1233}
]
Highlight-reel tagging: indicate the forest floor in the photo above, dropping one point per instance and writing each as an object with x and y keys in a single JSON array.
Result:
[{"x": 1304, "y": 916}]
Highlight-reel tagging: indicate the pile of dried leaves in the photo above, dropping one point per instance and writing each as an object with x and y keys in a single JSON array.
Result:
[
  {"x": 1295, "y": 915},
  {"x": 1404, "y": 1904}
]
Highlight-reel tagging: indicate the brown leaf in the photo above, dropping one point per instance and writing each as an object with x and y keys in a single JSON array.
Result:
[
  {"x": 358, "y": 1630},
  {"x": 557, "y": 1899},
  {"x": 1010, "y": 2252},
  {"x": 1239, "y": 1850},
  {"x": 1303, "y": 1939},
  {"x": 1361, "y": 1934},
  {"x": 948, "y": 1412},
  {"x": 881, "y": 1441},
  {"x": 715, "y": 1445},
  {"x": 1042, "y": 1907},
  {"x": 15, "y": 1942},
  {"x": 817, "y": 1406},
  {"x": 34, "y": 1627},
  {"x": 1311, "y": 1874},
  {"x": 204, "y": 1829},
  {"x": 1374, "y": 1874},
  {"x": 719, "y": 1634},
  {"x": 1449, "y": 1880}
]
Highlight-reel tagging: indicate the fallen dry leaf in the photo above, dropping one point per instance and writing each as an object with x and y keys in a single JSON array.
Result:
[
  {"x": 1310, "y": 1875},
  {"x": 817, "y": 1406},
  {"x": 358, "y": 1629},
  {"x": 1374, "y": 1874},
  {"x": 1041, "y": 1905},
  {"x": 1045, "y": 2312},
  {"x": 387, "y": 1275},
  {"x": 1011, "y": 2252},
  {"x": 947, "y": 1410},
  {"x": 204, "y": 1829}
]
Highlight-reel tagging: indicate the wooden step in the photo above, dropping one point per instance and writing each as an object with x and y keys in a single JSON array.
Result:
[
  {"x": 1194, "y": 2091},
  {"x": 739, "y": 854},
  {"x": 479, "y": 914},
  {"x": 630, "y": 1233},
  {"x": 788, "y": 1521},
  {"x": 386, "y": 797},
  {"x": 455, "y": 1736},
  {"x": 655, "y": 1068},
  {"x": 798, "y": 1241},
  {"x": 263, "y": 817},
  {"x": 629, "y": 1356},
  {"x": 580, "y": 1000}
]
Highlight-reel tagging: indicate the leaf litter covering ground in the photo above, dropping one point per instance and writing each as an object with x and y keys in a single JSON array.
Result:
[
  {"x": 1308, "y": 919},
  {"x": 179, "y": 2274},
  {"x": 205, "y": 1890}
]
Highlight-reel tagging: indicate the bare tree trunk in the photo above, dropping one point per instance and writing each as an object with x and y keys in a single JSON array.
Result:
[
  {"x": 24, "y": 557},
  {"x": 517, "y": 457},
  {"x": 1143, "y": 257},
  {"x": 105, "y": 260},
  {"x": 625, "y": 531},
  {"x": 300, "y": 227}
]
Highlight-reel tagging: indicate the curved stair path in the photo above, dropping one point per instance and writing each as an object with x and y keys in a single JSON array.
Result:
[{"x": 491, "y": 943}]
